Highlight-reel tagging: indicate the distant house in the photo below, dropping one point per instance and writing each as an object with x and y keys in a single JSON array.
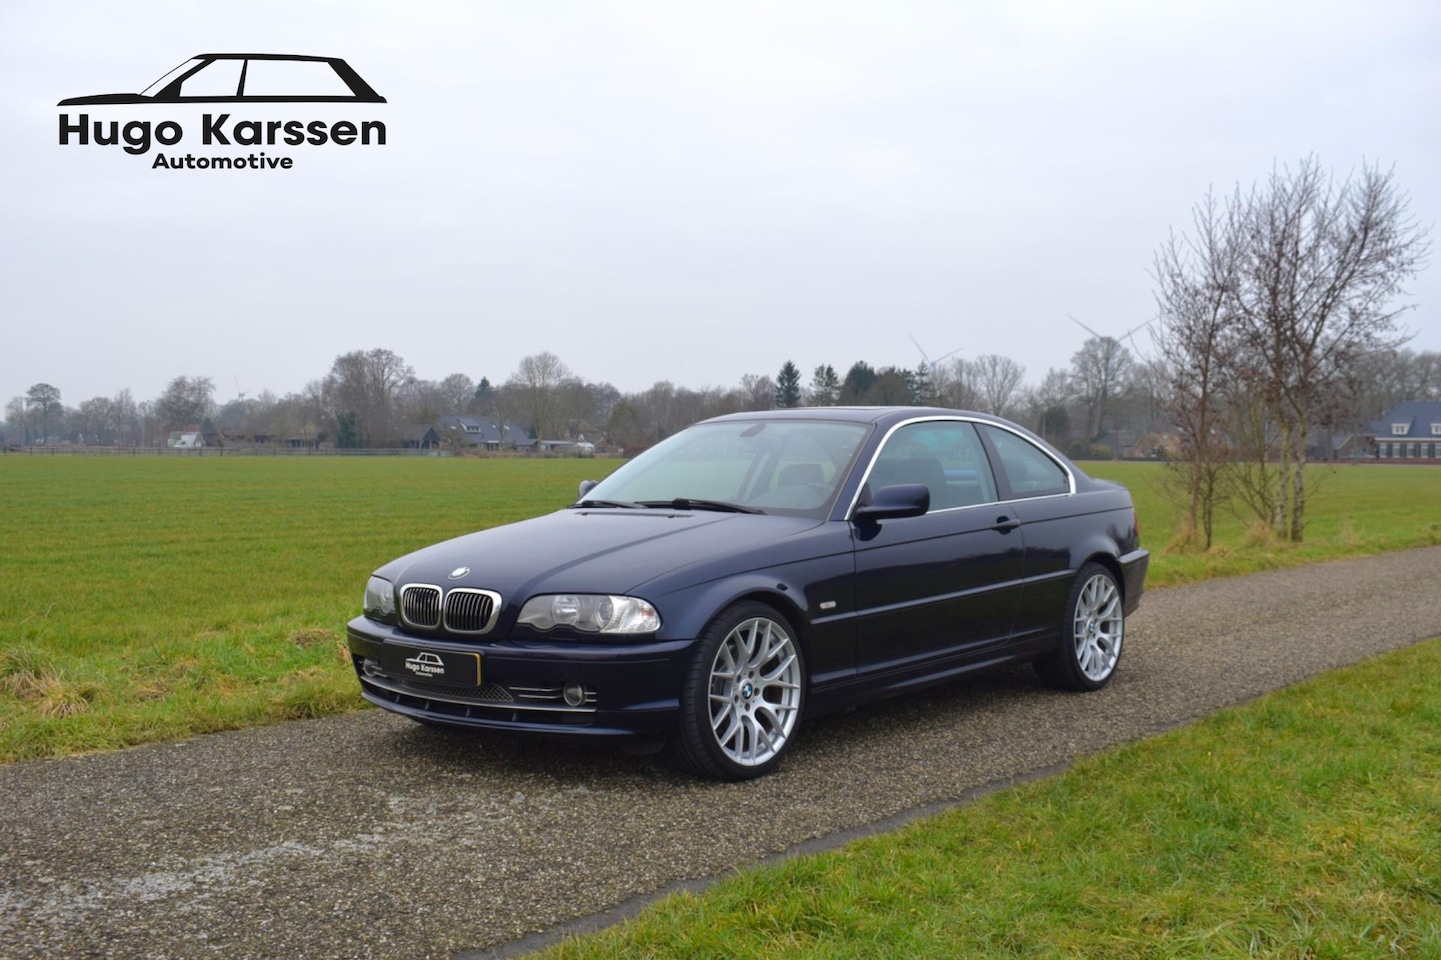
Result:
[
  {"x": 480, "y": 432},
  {"x": 189, "y": 438},
  {"x": 419, "y": 436},
  {"x": 308, "y": 438},
  {"x": 1409, "y": 431}
]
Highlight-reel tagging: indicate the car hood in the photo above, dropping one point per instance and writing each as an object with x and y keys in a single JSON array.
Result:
[
  {"x": 105, "y": 98},
  {"x": 607, "y": 550}
]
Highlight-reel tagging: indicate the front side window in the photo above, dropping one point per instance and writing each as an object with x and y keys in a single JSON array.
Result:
[
  {"x": 1029, "y": 469},
  {"x": 945, "y": 455}
]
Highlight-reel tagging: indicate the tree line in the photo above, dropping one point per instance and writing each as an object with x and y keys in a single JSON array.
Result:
[{"x": 1107, "y": 398}]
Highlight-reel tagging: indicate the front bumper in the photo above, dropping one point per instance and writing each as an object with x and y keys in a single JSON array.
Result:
[{"x": 631, "y": 690}]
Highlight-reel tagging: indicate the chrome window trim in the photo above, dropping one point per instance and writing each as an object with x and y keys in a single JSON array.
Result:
[
  {"x": 439, "y": 607},
  {"x": 489, "y": 623},
  {"x": 865, "y": 477}
]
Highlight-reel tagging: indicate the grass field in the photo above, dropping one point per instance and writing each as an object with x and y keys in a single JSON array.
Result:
[
  {"x": 1352, "y": 510},
  {"x": 158, "y": 597}
]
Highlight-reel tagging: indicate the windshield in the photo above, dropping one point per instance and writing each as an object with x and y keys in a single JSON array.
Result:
[{"x": 775, "y": 466}]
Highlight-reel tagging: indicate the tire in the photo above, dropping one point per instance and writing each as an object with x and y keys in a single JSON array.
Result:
[
  {"x": 743, "y": 695},
  {"x": 1092, "y": 633}
]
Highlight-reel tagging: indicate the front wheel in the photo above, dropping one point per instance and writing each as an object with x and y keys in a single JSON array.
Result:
[
  {"x": 743, "y": 695},
  {"x": 1091, "y": 634}
]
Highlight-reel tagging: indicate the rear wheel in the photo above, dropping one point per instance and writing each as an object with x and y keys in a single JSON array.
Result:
[
  {"x": 1091, "y": 634},
  {"x": 743, "y": 695}
]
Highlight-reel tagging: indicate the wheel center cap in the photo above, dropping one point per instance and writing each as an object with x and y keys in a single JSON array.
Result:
[{"x": 747, "y": 691}]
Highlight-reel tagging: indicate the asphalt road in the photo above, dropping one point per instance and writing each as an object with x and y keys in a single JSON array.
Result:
[{"x": 368, "y": 836}]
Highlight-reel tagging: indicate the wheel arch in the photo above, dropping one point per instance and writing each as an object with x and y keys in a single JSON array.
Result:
[
  {"x": 701, "y": 606},
  {"x": 1112, "y": 563},
  {"x": 787, "y": 607}
]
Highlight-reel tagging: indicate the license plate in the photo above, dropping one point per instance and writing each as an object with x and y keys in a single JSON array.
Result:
[{"x": 434, "y": 666}]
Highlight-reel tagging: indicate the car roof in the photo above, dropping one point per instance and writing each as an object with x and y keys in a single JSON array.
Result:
[
  {"x": 855, "y": 414},
  {"x": 259, "y": 56}
]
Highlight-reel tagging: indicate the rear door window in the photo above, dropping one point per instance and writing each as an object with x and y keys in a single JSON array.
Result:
[{"x": 1029, "y": 470}]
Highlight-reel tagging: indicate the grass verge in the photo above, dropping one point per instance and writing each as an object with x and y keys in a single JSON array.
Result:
[{"x": 1306, "y": 824}]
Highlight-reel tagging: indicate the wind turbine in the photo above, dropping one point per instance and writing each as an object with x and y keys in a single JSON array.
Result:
[
  {"x": 239, "y": 392},
  {"x": 1128, "y": 335},
  {"x": 931, "y": 364}
]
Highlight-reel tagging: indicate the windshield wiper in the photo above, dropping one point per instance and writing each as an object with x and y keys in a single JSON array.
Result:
[
  {"x": 686, "y": 503},
  {"x": 582, "y": 504}
]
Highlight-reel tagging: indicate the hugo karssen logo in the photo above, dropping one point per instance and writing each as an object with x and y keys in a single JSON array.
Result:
[{"x": 236, "y": 80}]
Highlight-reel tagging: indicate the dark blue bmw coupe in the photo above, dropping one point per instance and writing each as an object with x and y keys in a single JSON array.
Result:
[{"x": 760, "y": 569}]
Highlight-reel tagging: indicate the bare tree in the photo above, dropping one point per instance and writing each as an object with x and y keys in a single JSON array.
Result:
[
  {"x": 1289, "y": 289},
  {"x": 534, "y": 390},
  {"x": 456, "y": 391},
  {"x": 127, "y": 417},
  {"x": 1323, "y": 265},
  {"x": 360, "y": 394},
  {"x": 1046, "y": 406},
  {"x": 20, "y": 416},
  {"x": 186, "y": 401},
  {"x": 46, "y": 399},
  {"x": 998, "y": 381},
  {"x": 759, "y": 391},
  {"x": 1102, "y": 369},
  {"x": 93, "y": 420},
  {"x": 1387, "y": 377},
  {"x": 1196, "y": 278},
  {"x": 954, "y": 385}
]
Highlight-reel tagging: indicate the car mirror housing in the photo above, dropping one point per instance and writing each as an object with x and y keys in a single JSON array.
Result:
[
  {"x": 894, "y": 501},
  {"x": 586, "y": 486}
]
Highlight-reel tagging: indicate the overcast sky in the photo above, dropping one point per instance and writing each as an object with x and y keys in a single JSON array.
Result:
[{"x": 680, "y": 191}]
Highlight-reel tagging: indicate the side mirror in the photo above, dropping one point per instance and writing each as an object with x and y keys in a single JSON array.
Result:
[
  {"x": 586, "y": 486},
  {"x": 897, "y": 500}
]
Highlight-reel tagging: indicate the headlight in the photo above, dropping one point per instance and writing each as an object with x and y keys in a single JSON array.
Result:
[
  {"x": 590, "y": 613},
  {"x": 380, "y": 600}
]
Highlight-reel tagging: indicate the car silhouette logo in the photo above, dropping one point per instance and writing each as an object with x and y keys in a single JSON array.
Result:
[
  {"x": 250, "y": 78},
  {"x": 426, "y": 665}
]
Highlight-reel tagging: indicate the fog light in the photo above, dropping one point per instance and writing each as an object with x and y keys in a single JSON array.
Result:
[{"x": 574, "y": 694}]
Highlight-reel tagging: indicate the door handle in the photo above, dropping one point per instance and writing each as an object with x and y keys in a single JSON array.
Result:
[{"x": 1006, "y": 524}]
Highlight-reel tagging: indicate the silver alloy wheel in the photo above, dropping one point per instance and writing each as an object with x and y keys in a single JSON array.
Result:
[
  {"x": 1099, "y": 627},
  {"x": 755, "y": 691}
]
